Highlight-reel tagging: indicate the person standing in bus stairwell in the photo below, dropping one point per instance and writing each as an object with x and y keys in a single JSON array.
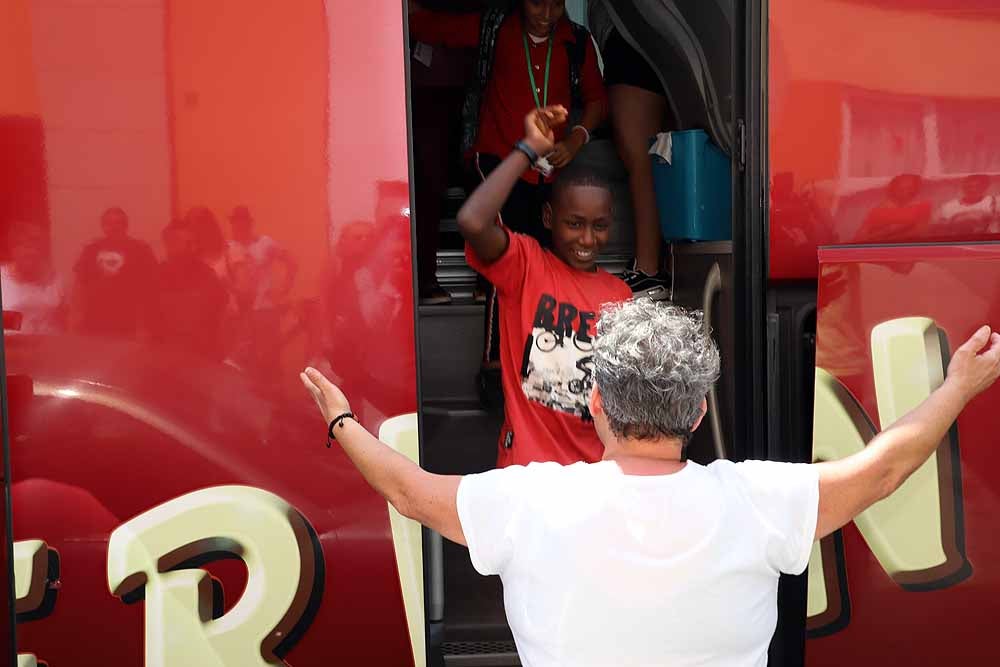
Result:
[
  {"x": 548, "y": 300},
  {"x": 645, "y": 558},
  {"x": 639, "y": 110},
  {"x": 530, "y": 57}
]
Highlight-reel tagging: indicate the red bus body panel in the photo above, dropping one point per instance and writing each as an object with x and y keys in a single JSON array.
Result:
[
  {"x": 944, "y": 621},
  {"x": 862, "y": 94},
  {"x": 296, "y": 111},
  {"x": 878, "y": 113}
]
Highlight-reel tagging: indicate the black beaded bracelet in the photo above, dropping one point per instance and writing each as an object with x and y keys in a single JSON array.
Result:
[{"x": 339, "y": 420}]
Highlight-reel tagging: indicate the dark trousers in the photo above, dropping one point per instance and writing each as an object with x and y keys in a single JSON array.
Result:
[{"x": 522, "y": 213}]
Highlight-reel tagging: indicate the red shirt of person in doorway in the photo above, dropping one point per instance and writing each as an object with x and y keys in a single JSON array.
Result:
[{"x": 532, "y": 39}]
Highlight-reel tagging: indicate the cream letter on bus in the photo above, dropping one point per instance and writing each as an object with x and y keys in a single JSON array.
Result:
[
  {"x": 916, "y": 534},
  {"x": 155, "y": 548},
  {"x": 31, "y": 583}
]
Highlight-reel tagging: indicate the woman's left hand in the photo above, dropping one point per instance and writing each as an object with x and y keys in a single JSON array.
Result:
[
  {"x": 328, "y": 396},
  {"x": 566, "y": 150}
]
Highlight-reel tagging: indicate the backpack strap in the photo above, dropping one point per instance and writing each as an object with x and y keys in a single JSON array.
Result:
[
  {"x": 577, "y": 52},
  {"x": 489, "y": 28}
]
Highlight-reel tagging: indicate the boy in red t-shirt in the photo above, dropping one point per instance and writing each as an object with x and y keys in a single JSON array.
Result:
[{"x": 549, "y": 301}]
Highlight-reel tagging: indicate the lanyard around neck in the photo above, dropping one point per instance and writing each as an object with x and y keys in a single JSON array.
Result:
[{"x": 531, "y": 75}]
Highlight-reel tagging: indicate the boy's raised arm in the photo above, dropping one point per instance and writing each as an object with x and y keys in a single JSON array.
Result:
[{"x": 477, "y": 219}]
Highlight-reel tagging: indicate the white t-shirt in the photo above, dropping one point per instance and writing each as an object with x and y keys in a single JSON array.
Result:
[{"x": 603, "y": 568}]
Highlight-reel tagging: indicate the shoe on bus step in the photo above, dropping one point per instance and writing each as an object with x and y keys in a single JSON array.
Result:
[
  {"x": 655, "y": 287},
  {"x": 432, "y": 294}
]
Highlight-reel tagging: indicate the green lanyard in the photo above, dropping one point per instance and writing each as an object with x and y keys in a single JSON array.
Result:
[{"x": 531, "y": 75}]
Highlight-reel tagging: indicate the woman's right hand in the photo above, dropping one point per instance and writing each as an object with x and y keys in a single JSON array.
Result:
[
  {"x": 539, "y": 127},
  {"x": 329, "y": 398},
  {"x": 975, "y": 365}
]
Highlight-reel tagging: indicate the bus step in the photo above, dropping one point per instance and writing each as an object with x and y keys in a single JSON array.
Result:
[{"x": 480, "y": 654}]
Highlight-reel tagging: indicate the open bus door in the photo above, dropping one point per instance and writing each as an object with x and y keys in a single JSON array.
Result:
[{"x": 173, "y": 502}]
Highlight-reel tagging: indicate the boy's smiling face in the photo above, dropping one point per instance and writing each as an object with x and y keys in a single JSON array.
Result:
[{"x": 580, "y": 218}]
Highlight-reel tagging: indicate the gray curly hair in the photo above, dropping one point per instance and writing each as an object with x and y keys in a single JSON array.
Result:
[{"x": 653, "y": 364}]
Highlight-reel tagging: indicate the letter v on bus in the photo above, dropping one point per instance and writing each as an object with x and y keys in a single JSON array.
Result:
[{"x": 917, "y": 534}]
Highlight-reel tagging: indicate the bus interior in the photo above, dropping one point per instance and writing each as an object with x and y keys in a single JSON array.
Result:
[{"x": 697, "y": 50}]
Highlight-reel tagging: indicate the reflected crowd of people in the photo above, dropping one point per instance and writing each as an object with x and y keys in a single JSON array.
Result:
[
  {"x": 225, "y": 295},
  {"x": 221, "y": 299},
  {"x": 973, "y": 210},
  {"x": 909, "y": 207},
  {"x": 909, "y": 211}
]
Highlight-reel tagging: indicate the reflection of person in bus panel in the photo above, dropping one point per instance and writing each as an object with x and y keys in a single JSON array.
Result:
[
  {"x": 261, "y": 273},
  {"x": 114, "y": 275},
  {"x": 974, "y": 212},
  {"x": 31, "y": 285},
  {"x": 903, "y": 214},
  {"x": 645, "y": 558},
  {"x": 189, "y": 298}
]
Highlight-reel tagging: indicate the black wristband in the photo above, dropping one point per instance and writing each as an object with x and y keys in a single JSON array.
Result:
[
  {"x": 339, "y": 420},
  {"x": 528, "y": 151}
]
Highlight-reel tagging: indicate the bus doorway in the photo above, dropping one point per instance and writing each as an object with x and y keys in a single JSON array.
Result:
[{"x": 697, "y": 53}]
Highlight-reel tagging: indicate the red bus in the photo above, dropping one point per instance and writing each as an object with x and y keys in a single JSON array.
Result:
[{"x": 197, "y": 199}]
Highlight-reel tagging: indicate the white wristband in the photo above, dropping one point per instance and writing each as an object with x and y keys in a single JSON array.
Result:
[{"x": 586, "y": 132}]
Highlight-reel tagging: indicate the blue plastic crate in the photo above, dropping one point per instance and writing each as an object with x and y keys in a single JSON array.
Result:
[{"x": 694, "y": 192}]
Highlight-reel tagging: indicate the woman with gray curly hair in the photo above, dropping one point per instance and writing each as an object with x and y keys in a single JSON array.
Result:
[
  {"x": 644, "y": 558},
  {"x": 654, "y": 365}
]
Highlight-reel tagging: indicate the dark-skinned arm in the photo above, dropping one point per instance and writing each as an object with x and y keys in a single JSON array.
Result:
[
  {"x": 595, "y": 111},
  {"x": 567, "y": 149},
  {"x": 477, "y": 219}
]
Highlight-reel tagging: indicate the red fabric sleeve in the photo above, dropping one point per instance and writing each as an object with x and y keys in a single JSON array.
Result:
[
  {"x": 445, "y": 29},
  {"x": 624, "y": 291},
  {"x": 510, "y": 270},
  {"x": 591, "y": 82}
]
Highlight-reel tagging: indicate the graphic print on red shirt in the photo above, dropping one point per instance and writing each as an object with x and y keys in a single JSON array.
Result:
[
  {"x": 557, "y": 362},
  {"x": 548, "y": 319}
]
